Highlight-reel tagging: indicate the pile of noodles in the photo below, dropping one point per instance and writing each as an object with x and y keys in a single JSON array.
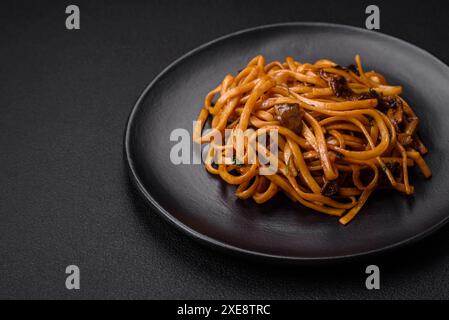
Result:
[{"x": 356, "y": 133}]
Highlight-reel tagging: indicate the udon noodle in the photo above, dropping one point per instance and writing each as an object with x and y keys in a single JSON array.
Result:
[{"x": 341, "y": 134}]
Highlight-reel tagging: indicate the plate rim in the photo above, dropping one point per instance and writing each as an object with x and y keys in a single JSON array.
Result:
[{"x": 231, "y": 248}]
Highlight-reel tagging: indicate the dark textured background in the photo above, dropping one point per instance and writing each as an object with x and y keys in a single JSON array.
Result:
[{"x": 64, "y": 193}]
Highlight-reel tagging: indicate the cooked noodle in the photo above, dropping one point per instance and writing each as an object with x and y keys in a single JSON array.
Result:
[{"x": 342, "y": 133}]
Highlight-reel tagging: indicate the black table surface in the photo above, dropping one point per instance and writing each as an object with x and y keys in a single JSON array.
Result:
[{"x": 65, "y": 196}]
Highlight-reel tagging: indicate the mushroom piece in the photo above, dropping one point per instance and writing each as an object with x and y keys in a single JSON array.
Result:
[
  {"x": 290, "y": 116},
  {"x": 330, "y": 189}
]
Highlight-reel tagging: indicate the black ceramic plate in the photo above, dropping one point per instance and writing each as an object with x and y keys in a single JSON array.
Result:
[{"x": 206, "y": 208}]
